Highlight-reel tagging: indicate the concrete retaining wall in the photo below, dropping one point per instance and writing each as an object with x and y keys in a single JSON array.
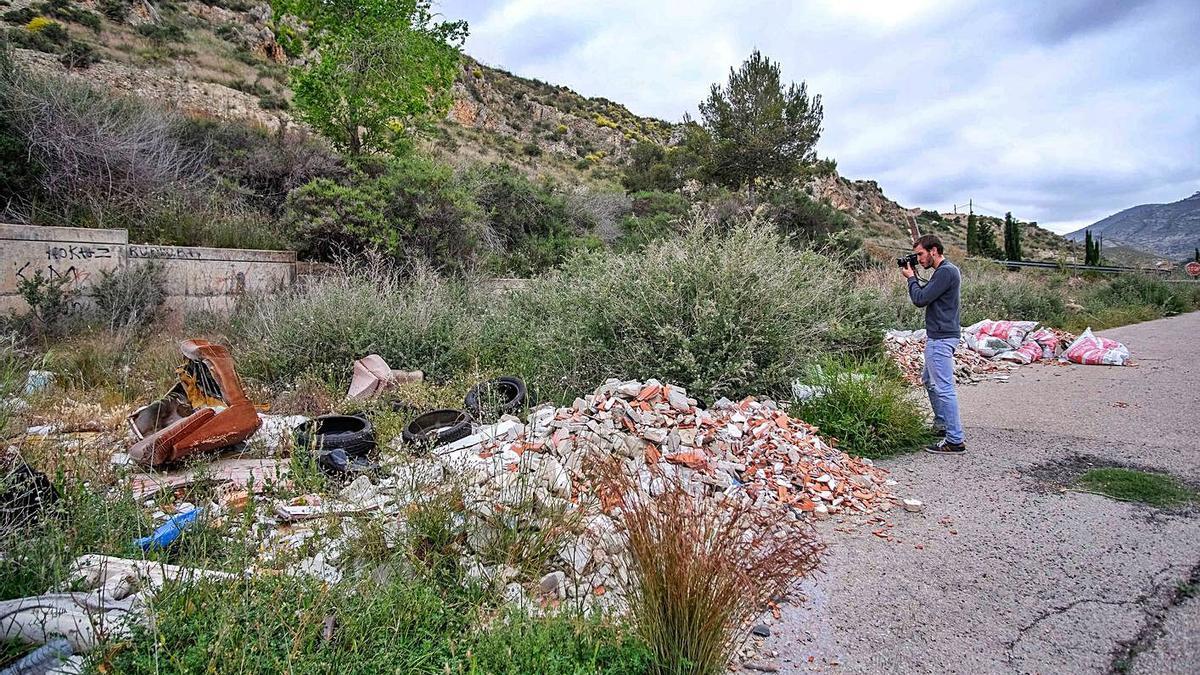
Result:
[{"x": 197, "y": 277}]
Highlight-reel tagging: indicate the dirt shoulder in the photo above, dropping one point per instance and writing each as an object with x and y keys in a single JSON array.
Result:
[{"x": 1005, "y": 570}]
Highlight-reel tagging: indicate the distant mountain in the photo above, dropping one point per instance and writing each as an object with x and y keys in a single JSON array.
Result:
[{"x": 1170, "y": 230}]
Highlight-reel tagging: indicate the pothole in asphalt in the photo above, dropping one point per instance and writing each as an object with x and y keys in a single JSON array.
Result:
[{"x": 1117, "y": 480}]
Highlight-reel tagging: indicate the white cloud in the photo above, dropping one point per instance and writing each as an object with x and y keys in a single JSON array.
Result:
[{"x": 1062, "y": 112}]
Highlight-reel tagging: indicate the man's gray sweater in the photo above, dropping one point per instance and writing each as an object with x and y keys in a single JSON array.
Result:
[{"x": 939, "y": 297}]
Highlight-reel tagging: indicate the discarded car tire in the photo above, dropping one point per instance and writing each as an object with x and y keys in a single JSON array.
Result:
[
  {"x": 496, "y": 397},
  {"x": 25, "y": 494},
  {"x": 352, "y": 434},
  {"x": 438, "y": 427}
]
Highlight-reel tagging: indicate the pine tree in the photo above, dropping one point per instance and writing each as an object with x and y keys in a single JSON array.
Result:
[
  {"x": 759, "y": 127},
  {"x": 973, "y": 235}
]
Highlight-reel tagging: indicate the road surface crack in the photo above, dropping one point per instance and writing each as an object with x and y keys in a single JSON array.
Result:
[{"x": 1127, "y": 652}]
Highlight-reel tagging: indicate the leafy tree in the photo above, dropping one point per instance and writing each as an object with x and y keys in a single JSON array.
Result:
[
  {"x": 759, "y": 129},
  {"x": 972, "y": 235},
  {"x": 384, "y": 68}
]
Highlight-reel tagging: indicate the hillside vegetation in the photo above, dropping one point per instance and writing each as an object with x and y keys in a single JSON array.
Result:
[{"x": 229, "y": 61}]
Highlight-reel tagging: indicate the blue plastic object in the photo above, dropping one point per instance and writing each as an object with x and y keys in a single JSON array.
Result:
[
  {"x": 41, "y": 660},
  {"x": 168, "y": 532}
]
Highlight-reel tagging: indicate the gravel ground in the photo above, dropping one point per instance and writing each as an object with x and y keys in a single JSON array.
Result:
[{"x": 1007, "y": 570}]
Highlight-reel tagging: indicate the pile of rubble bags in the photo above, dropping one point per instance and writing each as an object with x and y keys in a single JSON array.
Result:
[{"x": 988, "y": 348}]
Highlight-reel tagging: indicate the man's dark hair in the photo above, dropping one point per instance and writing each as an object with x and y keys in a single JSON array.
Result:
[{"x": 930, "y": 242}]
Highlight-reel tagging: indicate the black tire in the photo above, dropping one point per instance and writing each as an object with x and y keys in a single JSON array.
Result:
[
  {"x": 349, "y": 433},
  {"x": 438, "y": 427},
  {"x": 25, "y": 495},
  {"x": 494, "y": 398}
]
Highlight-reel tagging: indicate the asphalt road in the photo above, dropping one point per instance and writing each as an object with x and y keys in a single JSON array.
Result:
[{"x": 1006, "y": 570}]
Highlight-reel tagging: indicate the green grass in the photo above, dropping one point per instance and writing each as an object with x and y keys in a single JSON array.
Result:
[
  {"x": 394, "y": 611},
  {"x": 865, "y": 406},
  {"x": 1155, "y": 489}
]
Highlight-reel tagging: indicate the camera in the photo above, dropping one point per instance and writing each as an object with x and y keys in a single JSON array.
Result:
[{"x": 909, "y": 260}]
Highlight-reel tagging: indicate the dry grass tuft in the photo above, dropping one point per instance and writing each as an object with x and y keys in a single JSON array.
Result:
[{"x": 701, "y": 568}]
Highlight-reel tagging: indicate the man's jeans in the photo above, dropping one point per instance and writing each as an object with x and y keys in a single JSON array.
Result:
[{"x": 938, "y": 378}]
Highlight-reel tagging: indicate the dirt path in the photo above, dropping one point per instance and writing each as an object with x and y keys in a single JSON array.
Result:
[{"x": 1005, "y": 571}]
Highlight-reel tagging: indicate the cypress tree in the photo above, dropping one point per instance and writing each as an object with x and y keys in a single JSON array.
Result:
[
  {"x": 973, "y": 236},
  {"x": 1087, "y": 247},
  {"x": 1018, "y": 254},
  {"x": 1197, "y": 258},
  {"x": 1008, "y": 237}
]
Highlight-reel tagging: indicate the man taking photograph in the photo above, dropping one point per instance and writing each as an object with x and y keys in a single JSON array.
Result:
[{"x": 939, "y": 297}]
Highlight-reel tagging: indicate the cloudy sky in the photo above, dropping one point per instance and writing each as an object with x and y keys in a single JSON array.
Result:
[{"x": 1062, "y": 112}]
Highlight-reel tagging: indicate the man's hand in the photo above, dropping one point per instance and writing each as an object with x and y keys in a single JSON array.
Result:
[{"x": 908, "y": 272}]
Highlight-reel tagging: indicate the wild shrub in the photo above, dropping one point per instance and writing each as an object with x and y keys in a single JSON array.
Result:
[
  {"x": 162, "y": 32},
  {"x": 262, "y": 167},
  {"x": 130, "y": 297},
  {"x": 79, "y": 55},
  {"x": 991, "y": 293},
  {"x": 49, "y": 299},
  {"x": 639, "y": 231},
  {"x": 412, "y": 317},
  {"x": 40, "y": 34},
  {"x": 210, "y": 217},
  {"x": 100, "y": 158},
  {"x": 598, "y": 211},
  {"x": 864, "y": 405},
  {"x": 653, "y": 202},
  {"x": 408, "y": 208},
  {"x": 20, "y": 17},
  {"x": 116, "y": 10},
  {"x": 808, "y": 222},
  {"x": 720, "y": 313},
  {"x": 1137, "y": 289},
  {"x": 701, "y": 569},
  {"x": 515, "y": 207},
  {"x": 533, "y": 226}
]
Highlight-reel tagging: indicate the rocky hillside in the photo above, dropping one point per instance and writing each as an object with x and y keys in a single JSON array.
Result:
[
  {"x": 1170, "y": 230},
  {"x": 229, "y": 59}
]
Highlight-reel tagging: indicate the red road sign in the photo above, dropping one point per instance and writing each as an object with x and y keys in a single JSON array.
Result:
[{"x": 1193, "y": 268}]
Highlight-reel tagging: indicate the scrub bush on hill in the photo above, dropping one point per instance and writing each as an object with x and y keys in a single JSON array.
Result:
[
  {"x": 407, "y": 208},
  {"x": 722, "y": 314},
  {"x": 262, "y": 167},
  {"x": 532, "y": 223},
  {"x": 100, "y": 157}
]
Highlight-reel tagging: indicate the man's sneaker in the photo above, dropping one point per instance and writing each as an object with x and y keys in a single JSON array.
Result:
[{"x": 944, "y": 447}]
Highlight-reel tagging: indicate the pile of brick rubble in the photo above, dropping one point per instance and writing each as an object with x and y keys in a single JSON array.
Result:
[{"x": 749, "y": 450}]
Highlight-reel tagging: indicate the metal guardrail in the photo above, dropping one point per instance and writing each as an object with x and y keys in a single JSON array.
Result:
[{"x": 1103, "y": 269}]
